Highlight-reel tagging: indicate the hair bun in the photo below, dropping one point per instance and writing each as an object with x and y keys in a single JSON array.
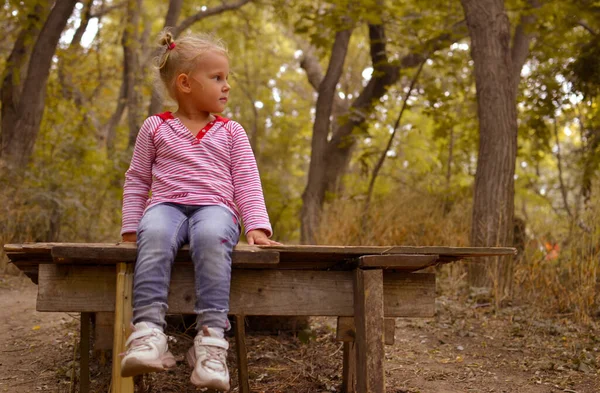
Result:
[{"x": 166, "y": 39}]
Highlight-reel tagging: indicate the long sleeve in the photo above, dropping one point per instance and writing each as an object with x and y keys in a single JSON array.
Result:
[
  {"x": 138, "y": 178},
  {"x": 248, "y": 192}
]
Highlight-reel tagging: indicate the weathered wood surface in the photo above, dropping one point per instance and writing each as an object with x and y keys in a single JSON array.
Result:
[
  {"x": 241, "y": 354},
  {"x": 406, "y": 262},
  {"x": 253, "y": 292},
  {"x": 84, "y": 352},
  {"x": 368, "y": 319},
  {"x": 28, "y": 256},
  {"x": 123, "y": 315},
  {"x": 125, "y": 252},
  {"x": 104, "y": 330},
  {"x": 349, "y": 368}
]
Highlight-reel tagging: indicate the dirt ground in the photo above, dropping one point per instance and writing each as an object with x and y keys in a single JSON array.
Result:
[{"x": 465, "y": 348}]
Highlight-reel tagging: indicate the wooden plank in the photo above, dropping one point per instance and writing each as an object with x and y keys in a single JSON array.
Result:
[
  {"x": 389, "y": 250},
  {"x": 242, "y": 355},
  {"x": 28, "y": 268},
  {"x": 123, "y": 314},
  {"x": 287, "y": 251},
  {"x": 253, "y": 292},
  {"x": 346, "y": 330},
  {"x": 368, "y": 317},
  {"x": 112, "y": 254},
  {"x": 349, "y": 368},
  {"x": 406, "y": 262},
  {"x": 240, "y": 260},
  {"x": 84, "y": 353}
]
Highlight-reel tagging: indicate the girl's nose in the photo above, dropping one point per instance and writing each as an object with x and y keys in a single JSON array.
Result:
[{"x": 227, "y": 86}]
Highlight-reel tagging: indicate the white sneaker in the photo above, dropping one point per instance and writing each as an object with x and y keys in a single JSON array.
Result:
[
  {"x": 147, "y": 351},
  {"x": 208, "y": 357}
]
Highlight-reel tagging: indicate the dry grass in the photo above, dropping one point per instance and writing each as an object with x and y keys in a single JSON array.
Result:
[
  {"x": 407, "y": 217},
  {"x": 566, "y": 285},
  {"x": 37, "y": 208}
]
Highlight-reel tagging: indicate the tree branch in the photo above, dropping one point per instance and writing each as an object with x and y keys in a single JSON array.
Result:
[
  {"x": 86, "y": 16},
  {"x": 563, "y": 189},
  {"x": 587, "y": 27},
  {"x": 385, "y": 74},
  {"x": 106, "y": 10},
  {"x": 314, "y": 74},
  {"x": 457, "y": 32},
  {"x": 327, "y": 89},
  {"x": 521, "y": 41},
  {"x": 383, "y": 155},
  {"x": 312, "y": 67},
  {"x": 187, "y": 22}
]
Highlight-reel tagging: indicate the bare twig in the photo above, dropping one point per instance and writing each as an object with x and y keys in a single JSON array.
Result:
[
  {"x": 563, "y": 189},
  {"x": 379, "y": 164}
]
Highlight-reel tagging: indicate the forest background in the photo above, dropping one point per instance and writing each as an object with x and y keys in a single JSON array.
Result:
[{"x": 375, "y": 122}]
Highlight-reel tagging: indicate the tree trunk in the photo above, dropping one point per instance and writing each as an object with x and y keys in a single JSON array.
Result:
[
  {"x": 314, "y": 194},
  {"x": 131, "y": 53},
  {"x": 497, "y": 69},
  {"x": 11, "y": 83},
  {"x": 156, "y": 102},
  {"x": 21, "y": 125}
]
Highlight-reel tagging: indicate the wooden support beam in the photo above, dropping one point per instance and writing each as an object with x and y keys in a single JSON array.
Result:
[
  {"x": 69, "y": 288},
  {"x": 409, "y": 262},
  {"x": 346, "y": 330},
  {"x": 123, "y": 314},
  {"x": 242, "y": 354},
  {"x": 104, "y": 330},
  {"x": 84, "y": 353},
  {"x": 349, "y": 368},
  {"x": 368, "y": 316}
]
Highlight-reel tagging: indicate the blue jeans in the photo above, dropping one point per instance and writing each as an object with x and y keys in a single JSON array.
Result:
[{"x": 212, "y": 232}]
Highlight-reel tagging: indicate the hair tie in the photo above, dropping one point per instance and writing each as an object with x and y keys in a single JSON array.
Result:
[{"x": 171, "y": 46}]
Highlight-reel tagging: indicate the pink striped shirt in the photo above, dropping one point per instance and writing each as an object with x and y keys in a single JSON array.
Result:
[{"x": 216, "y": 167}]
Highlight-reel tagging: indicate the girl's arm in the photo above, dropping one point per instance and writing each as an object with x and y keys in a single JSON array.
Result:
[
  {"x": 248, "y": 192},
  {"x": 138, "y": 178}
]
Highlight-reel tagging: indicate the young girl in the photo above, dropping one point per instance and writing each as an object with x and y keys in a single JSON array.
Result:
[{"x": 201, "y": 175}]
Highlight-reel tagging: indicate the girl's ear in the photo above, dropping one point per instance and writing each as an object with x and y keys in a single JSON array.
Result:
[{"x": 182, "y": 82}]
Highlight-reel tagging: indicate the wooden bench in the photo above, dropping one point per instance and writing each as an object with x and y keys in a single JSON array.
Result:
[{"x": 365, "y": 287}]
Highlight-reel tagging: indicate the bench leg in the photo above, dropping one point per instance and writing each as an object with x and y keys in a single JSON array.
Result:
[
  {"x": 84, "y": 353},
  {"x": 123, "y": 314},
  {"x": 104, "y": 329},
  {"x": 349, "y": 368},
  {"x": 368, "y": 317},
  {"x": 242, "y": 355}
]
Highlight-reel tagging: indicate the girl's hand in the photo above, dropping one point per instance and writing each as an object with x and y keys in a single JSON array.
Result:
[
  {"x": 130, "y": 237},
  {"x": 260, "y": 238}
]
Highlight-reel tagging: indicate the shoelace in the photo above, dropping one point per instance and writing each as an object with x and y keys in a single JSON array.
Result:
[
  {"x": 141, "y": 343},
  {"x": 215, "y": 354},
  {"x": 144, "y": 342},
  {"x": 140, "y": 340}
]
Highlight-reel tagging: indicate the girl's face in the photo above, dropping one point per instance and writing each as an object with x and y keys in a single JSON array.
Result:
[{"x": 209, "y": 90}]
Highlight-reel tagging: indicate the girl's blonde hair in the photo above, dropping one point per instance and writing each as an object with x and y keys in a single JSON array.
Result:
[{"x": 181, "y": 55}]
